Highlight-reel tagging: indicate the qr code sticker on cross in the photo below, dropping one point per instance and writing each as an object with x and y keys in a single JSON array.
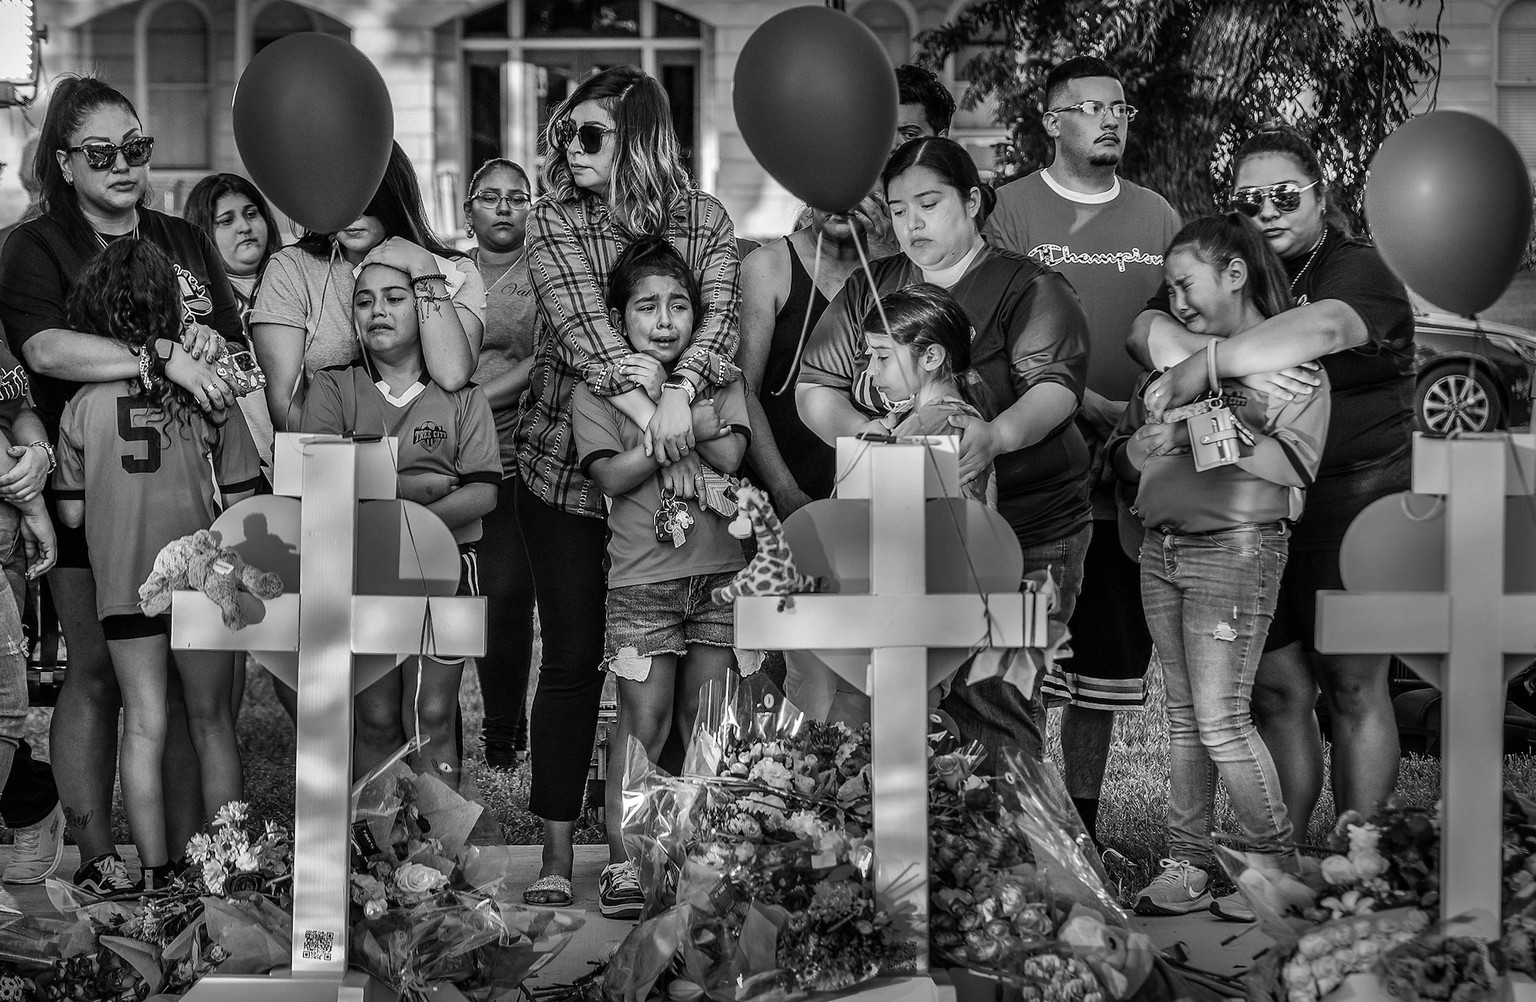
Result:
[{"x": 319, "y": 945}]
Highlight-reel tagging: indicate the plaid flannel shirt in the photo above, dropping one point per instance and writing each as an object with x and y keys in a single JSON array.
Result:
[{"x": 572, "y": 246}]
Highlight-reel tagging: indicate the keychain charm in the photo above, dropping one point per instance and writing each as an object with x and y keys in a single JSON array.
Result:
[{"x": 672, "y": 520}]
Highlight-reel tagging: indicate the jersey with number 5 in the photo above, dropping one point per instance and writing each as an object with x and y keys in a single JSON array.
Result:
[{"x": 146, "y": 478}]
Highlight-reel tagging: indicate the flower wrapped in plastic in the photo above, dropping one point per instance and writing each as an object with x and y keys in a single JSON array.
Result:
[{"x": 759, "y": 879}]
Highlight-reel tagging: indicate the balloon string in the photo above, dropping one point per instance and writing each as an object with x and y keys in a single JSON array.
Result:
[
  {"x": 805, "y": 327},
  {"x": 869, "y": 273}
]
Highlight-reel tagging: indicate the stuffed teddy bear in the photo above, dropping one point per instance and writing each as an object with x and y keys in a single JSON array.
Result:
[{"x": 197, "y": 561}]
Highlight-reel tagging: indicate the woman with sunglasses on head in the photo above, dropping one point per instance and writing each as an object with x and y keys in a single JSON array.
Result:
[
  {"x": 612, "y": 176},
  {"x": 302, "y": 320},
  {"x": 92, "y": 166},
  {"x": 1355, "y": 319},
  {"x": 496, "y": 216},
  {"x": 1030, "y": 349}
]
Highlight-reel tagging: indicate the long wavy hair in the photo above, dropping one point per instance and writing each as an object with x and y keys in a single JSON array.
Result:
[
  {"x": 648, "y": 176},
  {"x": 74, "y": 99},
  {"x": 204, "y": 198},
  {"x": 1216, "y": 240},
  {"x": 397, "y": 206},
  {"x": 129, "y": 293}
]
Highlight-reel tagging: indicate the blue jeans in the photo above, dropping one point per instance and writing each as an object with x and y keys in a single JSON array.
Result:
[
  {"x": 1209, "y": 600},
  {"x": 13, "y": 641},
  {"x": 996, "y": 713}
]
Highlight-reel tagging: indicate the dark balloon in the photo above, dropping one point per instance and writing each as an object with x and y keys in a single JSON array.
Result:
[
  {"x": 314, "y": 124},
  {"x": 1449, "y": 204},
  {"x": 815, "y": 99}
]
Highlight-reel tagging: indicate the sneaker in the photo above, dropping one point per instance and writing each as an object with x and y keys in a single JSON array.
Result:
[
  {"x": 106, "y": 876},
  {"x": 1178, "y": 890},
  {"x": 1233, "y": 908},
  {"x": 618, "y": 891},
  {"x": 38, "y": 850}
]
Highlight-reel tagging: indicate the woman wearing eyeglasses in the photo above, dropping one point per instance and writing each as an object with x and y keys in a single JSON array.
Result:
[
  {"x": 92, "y": 167},
  {"x": 302, "y": 321},
  {"x": 1030, "y": 348},
  {"x": 1354, "y": 318},
  {"x": 496, "y": 216},
  {"x": 612, "y": 177}
]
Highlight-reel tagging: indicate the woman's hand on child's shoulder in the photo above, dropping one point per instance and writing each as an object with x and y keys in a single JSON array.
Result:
[{"x": 644, "y": 371}]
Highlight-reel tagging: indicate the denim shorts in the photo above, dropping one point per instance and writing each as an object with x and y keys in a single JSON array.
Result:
[
  {"x": 13, "y": 641},
  {"x": 665, "y": 617}
]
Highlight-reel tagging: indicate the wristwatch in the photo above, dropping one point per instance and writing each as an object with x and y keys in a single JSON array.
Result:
[
  {"x": 52, "y": 462},
  {"x": 679, "y": 383},
  {"x": 164, "y": 348}
]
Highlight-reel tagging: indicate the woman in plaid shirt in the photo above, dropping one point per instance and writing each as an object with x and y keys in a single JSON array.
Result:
[{"x": 612, "y": 177}]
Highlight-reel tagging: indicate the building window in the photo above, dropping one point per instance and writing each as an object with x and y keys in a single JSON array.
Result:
[
  {"x": 889, "y": 23},
  {"x": 1515, "y": 76},
  {"x": 583, "y": 19},
  {"x": 176, "y": 76}
]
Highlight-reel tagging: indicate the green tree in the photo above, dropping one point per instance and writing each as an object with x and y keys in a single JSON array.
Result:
[{"x": 1204, "y": 74}]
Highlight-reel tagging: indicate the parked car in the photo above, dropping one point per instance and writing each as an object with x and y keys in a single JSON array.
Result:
[{"x": 1471, "y": 376}]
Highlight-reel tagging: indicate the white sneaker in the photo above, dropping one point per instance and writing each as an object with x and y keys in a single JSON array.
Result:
[
  {"x": 1178, "y": 890},
  {"x": 38, "y": 850}
]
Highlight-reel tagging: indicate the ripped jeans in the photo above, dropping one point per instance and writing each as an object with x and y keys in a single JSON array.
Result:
[
  {"x": 13, "y": 642},
  {"x": 1209, "y": 600}
]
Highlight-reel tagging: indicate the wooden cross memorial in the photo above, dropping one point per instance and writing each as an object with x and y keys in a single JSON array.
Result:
[
  {"x": 1468, "y": 626},
  {"x": 333, "y": 627},
  {"x": 898, "y": 621}
]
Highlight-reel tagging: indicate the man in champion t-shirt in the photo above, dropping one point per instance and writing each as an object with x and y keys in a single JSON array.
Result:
[{"x": 1106, "y": 235}]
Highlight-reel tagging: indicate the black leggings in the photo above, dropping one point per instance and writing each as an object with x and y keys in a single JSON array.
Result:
[
  {"x": 565, "y": 553},
  {"x": 507, "y": 584}
]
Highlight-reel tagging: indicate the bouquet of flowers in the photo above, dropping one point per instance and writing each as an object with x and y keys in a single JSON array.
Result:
[
  {"x": 429, "y": 910},
  {"x": 231, "y": 863},
  {"x": 1366, "y": 907},
  {"x": 756, "y": 861},
  {"x": 1012, "y": 896}
]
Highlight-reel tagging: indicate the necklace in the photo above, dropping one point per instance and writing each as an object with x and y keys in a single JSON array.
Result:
[
  {"x": 500, "y": 278},
  {"x": 132, "y": 236},
  {"x": 1310, "y": 258}
]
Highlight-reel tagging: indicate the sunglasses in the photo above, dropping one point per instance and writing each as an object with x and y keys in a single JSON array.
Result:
[
  {"x": 1285, "y": 195},
  {"x": 591, "y": 136},
  {"x": 1093, "y": 109},
  {"x": 491, "y": 200},
  {"x": 101, "y": 156}
]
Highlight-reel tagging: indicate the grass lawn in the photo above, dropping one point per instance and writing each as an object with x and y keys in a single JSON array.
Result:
[{"x": 1131, "y": 813}]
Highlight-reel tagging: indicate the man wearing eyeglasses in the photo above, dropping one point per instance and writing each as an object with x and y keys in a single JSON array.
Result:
[{"x": 1107, "y": 236}]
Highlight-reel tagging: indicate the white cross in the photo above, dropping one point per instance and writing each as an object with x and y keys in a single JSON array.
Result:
[
  {"x": 329, "y": 624},
  {"x": 898, "y": 621},
  {"x": 1472, "y": 625}
]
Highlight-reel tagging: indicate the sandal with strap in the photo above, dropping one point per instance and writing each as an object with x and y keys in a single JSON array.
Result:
[{"x": 552, "y": 890}]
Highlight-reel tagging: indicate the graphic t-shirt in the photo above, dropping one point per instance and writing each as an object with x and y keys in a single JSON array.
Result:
[
  {"x": 1030, "y": 330},
  {"x": 41, "y": 261},
  {"x": 446, "y": 434},
  {"x": 635, "y": 555},
  {"x": 1110, "y": 247},
  {"x": 146, "y": 478}
]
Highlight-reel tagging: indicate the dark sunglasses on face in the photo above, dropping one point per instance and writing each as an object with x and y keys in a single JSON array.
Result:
[
  {"x": 101, "y": 156},
  {"x": 1285, "y": 195},
  {"x": 490, "y": 200},
  {"x": 591, "y": 136}
]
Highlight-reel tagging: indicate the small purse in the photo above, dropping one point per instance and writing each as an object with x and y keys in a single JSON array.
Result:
[{"x": 1216, "y": 436}]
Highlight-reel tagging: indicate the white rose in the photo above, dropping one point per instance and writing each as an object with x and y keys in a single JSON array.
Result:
[
  {"x": 1339, "y": 870},
  {"x": 1363, "y": 838},
  {"x": 419, "y": 878},
  {"x": 772, "y": 774},
  {"x": 1368, "y": 863}
]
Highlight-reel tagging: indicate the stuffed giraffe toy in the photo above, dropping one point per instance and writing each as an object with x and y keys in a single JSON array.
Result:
[{"x": 772, "y": 570}]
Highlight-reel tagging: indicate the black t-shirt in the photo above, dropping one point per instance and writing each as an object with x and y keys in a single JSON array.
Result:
[
  {"x": 39, "y": 265},
  {"x": 1372, "y": 419},
  {"x": 1030, "y": 329}
]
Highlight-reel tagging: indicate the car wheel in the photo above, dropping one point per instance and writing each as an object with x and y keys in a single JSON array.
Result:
[{"x": 1454, "y": 399}]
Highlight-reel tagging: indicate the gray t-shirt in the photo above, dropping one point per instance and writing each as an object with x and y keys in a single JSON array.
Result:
[
  {"x": 1111, "y": 250},
  {"x": 635, "y": 555},
  {"x": 510, "y": 307},
  {"x": 314, "y": 294}
]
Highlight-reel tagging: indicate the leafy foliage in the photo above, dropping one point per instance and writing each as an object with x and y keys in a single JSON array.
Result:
[{"x": 1204, "y": 74}]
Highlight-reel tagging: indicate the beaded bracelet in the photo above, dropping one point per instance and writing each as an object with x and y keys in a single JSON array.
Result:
[{"x": 144, "y": 369}]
